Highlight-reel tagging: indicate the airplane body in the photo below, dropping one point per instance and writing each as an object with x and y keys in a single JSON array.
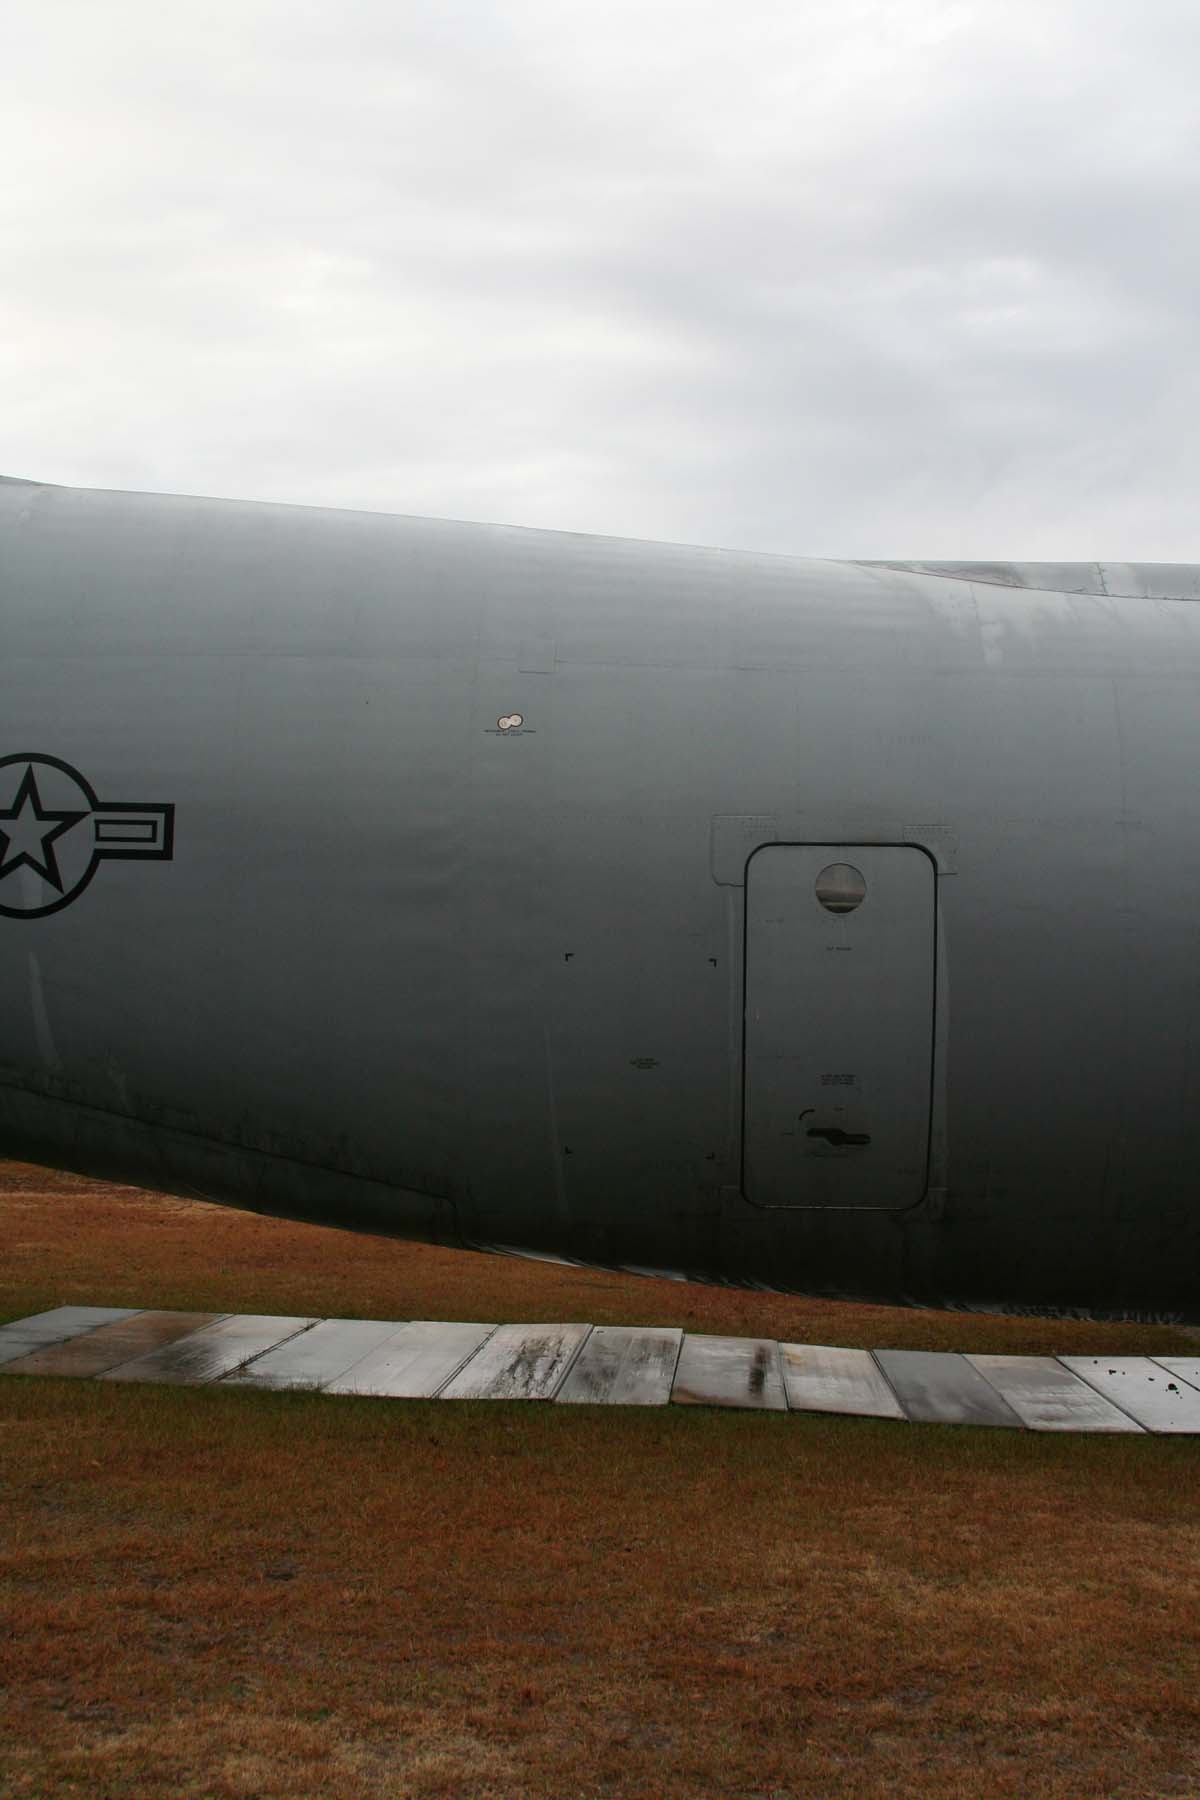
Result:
[{"x": 827, "y": 926}]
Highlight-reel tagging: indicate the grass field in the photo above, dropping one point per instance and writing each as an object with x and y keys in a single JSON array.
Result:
[{"x": 243, "y": 1594}]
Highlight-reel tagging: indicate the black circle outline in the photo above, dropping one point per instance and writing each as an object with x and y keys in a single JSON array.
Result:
[{"x": 64, "y": 768}]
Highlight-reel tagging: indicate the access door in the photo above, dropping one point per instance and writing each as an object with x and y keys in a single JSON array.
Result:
[{"x": 840, "y": 969}]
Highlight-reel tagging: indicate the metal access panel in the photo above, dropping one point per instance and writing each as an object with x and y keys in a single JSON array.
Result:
[{"x": 840, "y": 974}]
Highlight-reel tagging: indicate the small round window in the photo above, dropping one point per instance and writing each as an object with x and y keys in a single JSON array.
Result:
[{"x": 840, "y": 887}]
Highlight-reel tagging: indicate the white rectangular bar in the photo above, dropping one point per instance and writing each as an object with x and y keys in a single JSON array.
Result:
[
  {"x": 729, "y": 1371},
  {"x": 1047, "y": 1397},
  {"x": 1153, "y": 1396},
  {"x": 823, "y": 1378},
  {"x": 519, "y": 1362},
  {"x": 939, "y": 1387},
  {"x": 623, "y": 1365},
  {"x": 210, "y": 1353},
  {"x": 415, "y": 1361},
  {"x": 316, "y": 1357}
]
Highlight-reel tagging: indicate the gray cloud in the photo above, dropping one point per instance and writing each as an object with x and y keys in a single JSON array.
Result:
[{"x": 843, "y": 280}]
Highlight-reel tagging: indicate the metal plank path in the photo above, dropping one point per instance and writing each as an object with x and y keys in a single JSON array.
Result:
[
  {"x": 623, "y": 1365},
  {"x": 1142, "y": 1388},
  {"x": 1046, "y": 1396},
  {"x": 604, "y": 1365},
  {"x": 24, "y": 1336},
  {"x": 211, "y": 1352},
  {"x": 822, "y": 1378},
  {"x": 519, "y": 1362},
  {"x": 416, "y": 1362},
  {"x": 729, "y": 1371},
  {"x": 939, "y": 1387},
  {"x": 315, "y": 1358},
  {"x": 109, "y": 1346}
]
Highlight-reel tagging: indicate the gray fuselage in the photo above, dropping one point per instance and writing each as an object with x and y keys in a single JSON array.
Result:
[{"x": 829, "y": 926}]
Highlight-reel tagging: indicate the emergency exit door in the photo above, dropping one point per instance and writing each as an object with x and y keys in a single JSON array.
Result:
[{"x": 840, "y": 966}]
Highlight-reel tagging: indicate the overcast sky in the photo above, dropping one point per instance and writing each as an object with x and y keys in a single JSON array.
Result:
[{"x": 833, "y": 277}]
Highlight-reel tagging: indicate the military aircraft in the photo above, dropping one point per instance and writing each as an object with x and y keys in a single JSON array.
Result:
[{"x": 828, "y": 926}]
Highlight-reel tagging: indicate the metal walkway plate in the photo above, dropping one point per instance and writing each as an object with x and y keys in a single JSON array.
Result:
[
  {"x": 415, "y": 1361},
  {"x": 1142, "y": 1388},
  {"x": 729, "y": 1371},
  {"x": 316, "y": 1357},
  {"x": 14, "y": 1347},
  {"x": 1184, "y": 1368},
  {"x": 208, "y": 1354},
  {"x": 23, "y": 1336},
  {"x": 940, "y": 1387},
  {"x": 519, "y": 1362},
  {"x": 94, "y": 1352},
  {"x": 821, "y": 1378},
  {"x": 623, "y": 1365},
  {"x": 1047, "y": 1397},
  {"x": 608, "y": 1365}
]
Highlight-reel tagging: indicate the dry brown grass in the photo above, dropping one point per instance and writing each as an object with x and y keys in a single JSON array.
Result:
[
  {"x": 227, "y": 1593},
  {"x": 64, "y": 1240}
]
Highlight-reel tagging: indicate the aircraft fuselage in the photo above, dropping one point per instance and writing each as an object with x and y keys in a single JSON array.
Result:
[{"x": 824, "y": 925}]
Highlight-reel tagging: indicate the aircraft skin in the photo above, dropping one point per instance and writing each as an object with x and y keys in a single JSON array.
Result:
[{"x": 828, "y": 926}]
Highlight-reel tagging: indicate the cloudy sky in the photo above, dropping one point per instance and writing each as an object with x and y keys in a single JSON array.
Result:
[{"x": 833, "y": 277}]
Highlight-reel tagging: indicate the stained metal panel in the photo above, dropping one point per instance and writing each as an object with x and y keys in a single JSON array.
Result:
[
  {"x": 1151, "y": 1394},
  {"x": 1047, "y": 1397},
  {"x": 63, "y": 1322},
  {"x": 415, "y": 1361},
  {"x": 316, "y": 1357},
  {"x": 823, "y": 1378},
  {"x": 16, "y": 1349},
  {"x": 111, "y": 1345},
  {"x": 1184, "y": 1368},
  {"x": 624, "y": 1365},
  {"x": 519, "y": 1362},
  {"x": 839, "y": 1025},
  {"x": 729, "y": 1371},
  {"x": 940, "y": 1387},
  {"x": 209, "y": 1354}
]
